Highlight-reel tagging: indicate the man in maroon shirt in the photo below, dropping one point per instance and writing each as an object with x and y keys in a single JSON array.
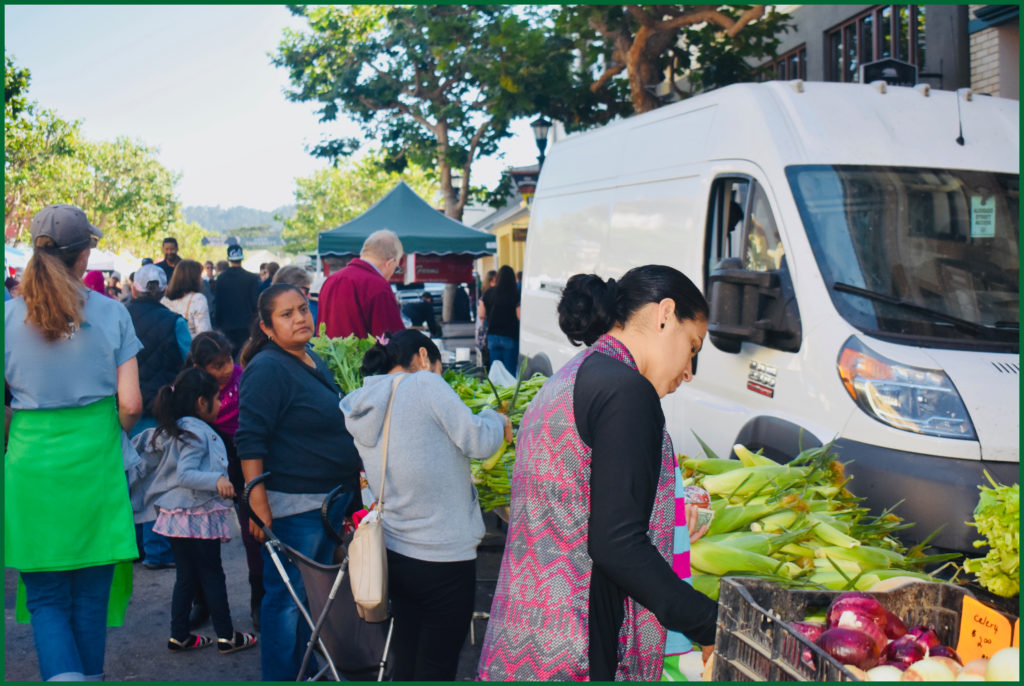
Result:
[{"x": 358, "y": 299}]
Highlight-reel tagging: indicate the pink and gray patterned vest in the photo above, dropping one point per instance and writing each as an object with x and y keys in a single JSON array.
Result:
[{"x": 539, "y": 625}]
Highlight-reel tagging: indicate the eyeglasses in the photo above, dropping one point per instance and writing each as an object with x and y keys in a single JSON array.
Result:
[{"x": 305, "y": 290}]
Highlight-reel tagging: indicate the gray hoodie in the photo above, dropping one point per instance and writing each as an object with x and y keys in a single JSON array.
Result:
[{"x": 431, "y": 511}]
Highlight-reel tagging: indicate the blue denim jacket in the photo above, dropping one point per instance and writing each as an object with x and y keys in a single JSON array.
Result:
[{"x": 177, "y": 473}]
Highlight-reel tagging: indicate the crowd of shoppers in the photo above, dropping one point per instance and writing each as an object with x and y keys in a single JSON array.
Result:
[{"x": 155, "y": 412}]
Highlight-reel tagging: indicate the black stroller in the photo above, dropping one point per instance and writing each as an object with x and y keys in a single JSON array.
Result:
[{"x": 352, "y": 649}]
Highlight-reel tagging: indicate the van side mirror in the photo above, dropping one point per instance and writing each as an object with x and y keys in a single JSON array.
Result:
[{"x": 754, "y": 306}]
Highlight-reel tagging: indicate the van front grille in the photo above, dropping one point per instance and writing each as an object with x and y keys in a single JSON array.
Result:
[{"x": 1006, "y": 367}]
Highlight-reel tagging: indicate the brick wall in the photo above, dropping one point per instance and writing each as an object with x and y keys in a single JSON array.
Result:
[{"x": 985, "y": 61}]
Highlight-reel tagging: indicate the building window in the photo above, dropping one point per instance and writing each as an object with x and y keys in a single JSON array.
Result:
[
  {"x": 896, "y": 31},
  {"x": 789, "y": 65}
]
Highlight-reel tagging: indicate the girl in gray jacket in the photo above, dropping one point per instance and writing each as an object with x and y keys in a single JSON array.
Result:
[
  {"x": 432, "y": 521},
  {"x": 191, "y": 492}
]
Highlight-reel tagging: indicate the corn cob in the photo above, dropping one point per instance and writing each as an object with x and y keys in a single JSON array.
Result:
[
  {"x": 750, "y": 459},
  {"x": 867, "y": 556},
  {"x": 718, "y": 559}
]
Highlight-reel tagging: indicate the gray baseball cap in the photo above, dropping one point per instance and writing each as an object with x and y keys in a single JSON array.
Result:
[
  {"x": 66, "y": 225},
  {"x": 150, "y": 278}
]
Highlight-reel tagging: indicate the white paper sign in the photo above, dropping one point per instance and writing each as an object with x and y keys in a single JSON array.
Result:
[{"x": 983, "y": 216}]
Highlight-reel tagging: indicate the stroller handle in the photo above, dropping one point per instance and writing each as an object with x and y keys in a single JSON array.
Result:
[
  {"x": 245, "y": 498},
  {"x": 328, "y": 527}
]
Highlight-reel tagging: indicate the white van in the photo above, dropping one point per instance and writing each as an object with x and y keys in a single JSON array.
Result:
[{"x": 859, "y": 248}]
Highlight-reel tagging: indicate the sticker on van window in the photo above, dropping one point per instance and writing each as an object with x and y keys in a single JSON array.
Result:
[
  {"x": 983, "y": 216},
  {"x": 761, "y": 378}
]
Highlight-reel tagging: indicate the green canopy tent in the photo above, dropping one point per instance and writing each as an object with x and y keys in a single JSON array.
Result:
[
  {"x": 423, "y": 229},
  {"x": 438, "y": 248}
]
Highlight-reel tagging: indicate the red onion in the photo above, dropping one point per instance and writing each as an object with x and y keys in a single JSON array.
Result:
[
  {"x": 809, "y": 630},
  {"x": 859, "y": 603},
  {"x": 905, "y": 650},
  {"x": 944, "y": 651},
  {"x": 902, "y": 666},
  {"x": 894, "y": 626},
  {"x": 925, "y": 635},
  {"x": 849, "y": 647},
  {"x": 850, "y": 619}
]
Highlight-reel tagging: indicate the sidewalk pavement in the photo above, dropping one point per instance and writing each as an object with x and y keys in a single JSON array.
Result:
[{"x": 138, "y": 651}]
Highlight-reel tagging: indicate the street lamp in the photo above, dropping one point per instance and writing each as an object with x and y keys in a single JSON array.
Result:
[{"x": 540, "y": 127}]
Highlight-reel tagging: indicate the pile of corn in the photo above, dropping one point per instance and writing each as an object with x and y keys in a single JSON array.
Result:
[
  {"x": 794, "y": 524},
  {"x": 493, "y": 476}
]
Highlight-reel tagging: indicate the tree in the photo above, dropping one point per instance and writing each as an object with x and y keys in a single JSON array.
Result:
[
  {"x": 336, "y": 194},
  {"x": 436, "y": 85},
  {"x": 630, "y": 49},
  {"x": 121, "y": 185},
  {"x": 15, "y": 90}
]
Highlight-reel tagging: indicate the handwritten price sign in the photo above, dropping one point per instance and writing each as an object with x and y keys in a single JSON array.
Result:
[{"x": 983, "y": 631}]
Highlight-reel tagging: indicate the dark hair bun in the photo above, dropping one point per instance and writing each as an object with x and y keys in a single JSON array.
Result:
[
  {"x": 376, "y": 360},
  {"x": 587, "y": 308}
]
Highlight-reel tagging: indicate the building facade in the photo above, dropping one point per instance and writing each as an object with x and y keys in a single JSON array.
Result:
[{"x": 952, "y": 46}]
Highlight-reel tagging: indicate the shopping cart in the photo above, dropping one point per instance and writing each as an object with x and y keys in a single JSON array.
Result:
[{"x": 351, "y": 648}]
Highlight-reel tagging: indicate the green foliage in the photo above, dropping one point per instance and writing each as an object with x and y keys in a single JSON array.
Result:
[
  {"x": 997, "y": 518},
  {"x": 121, "y": 185},
  {"x": 436, "y": 85},
  {"x": 688, "y": 41},
  {"x": 337, "y": 194},
  {"x": 15, "y": 90}
]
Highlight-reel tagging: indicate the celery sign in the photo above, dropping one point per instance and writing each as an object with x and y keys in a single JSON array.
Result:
[{"x": 983, "y": 217}]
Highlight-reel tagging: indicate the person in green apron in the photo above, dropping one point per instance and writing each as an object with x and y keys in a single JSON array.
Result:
[{"x": 69, "y": 363}]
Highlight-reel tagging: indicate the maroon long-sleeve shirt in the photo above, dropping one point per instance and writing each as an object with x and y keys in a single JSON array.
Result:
[{"x": 358, "y": 300}]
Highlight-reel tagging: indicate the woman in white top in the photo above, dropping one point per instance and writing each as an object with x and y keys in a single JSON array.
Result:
[{"x": 184, "y": 296}]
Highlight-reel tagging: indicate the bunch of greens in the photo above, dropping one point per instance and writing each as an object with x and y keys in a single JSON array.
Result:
[
  {"x": 493, "y": 476},
  {"x": 344, "y": 357},
  {"x": 997, "y": 518}
]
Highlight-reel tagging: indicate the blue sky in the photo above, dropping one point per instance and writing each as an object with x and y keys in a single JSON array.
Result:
[{"x": 194, "y": 81}]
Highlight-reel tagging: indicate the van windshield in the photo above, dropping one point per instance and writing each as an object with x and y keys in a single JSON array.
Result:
[{"x": 913, "y": 254}]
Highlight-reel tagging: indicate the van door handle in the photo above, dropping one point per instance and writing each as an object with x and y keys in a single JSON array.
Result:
[{"x": 553, "y": 286}]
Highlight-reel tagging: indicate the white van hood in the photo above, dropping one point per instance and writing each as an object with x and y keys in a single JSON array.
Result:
[{"x": 989, "y": 384}]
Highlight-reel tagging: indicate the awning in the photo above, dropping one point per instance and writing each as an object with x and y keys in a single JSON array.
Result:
[{"x": 422, "y": 229}]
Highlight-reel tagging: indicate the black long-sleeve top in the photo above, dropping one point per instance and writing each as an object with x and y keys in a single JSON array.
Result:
[
  {"x": 288, "y": 416},
  {"x": 619, "y": 416}
]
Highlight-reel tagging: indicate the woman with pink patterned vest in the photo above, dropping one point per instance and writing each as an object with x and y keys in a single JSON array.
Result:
[{"x": 588, "y": 592}]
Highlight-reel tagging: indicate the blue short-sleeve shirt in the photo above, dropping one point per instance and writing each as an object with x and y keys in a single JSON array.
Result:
[{"x": 46, "y": 375}]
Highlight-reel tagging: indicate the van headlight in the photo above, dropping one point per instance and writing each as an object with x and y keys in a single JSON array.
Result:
[{"x": 910, "y": 398}]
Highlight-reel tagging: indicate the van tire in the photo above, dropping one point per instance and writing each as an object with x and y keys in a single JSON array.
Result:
[{"x": 779, "y": 439}]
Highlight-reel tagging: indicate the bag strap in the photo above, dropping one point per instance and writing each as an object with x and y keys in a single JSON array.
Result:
[{"x": 387, "y": 433}]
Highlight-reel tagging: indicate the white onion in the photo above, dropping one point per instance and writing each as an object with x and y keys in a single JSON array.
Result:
[
  {"x": 927, "y": 669},
  {"x": 976, "y": 667},
  {"x": 884, "y": 673},
  {"x": 968, "y": 676},
  {"x": 1004, "y": 666}
]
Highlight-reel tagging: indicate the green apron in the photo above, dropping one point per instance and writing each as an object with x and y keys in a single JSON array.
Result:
[{"x": 66, "y": 500}]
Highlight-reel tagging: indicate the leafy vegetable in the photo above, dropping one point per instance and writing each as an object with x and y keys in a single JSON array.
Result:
[
  {"x": 997, "y": 518},
  {"x": 344, "y": 357}
]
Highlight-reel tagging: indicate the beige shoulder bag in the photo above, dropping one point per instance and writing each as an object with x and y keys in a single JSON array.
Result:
[{"x": 367, "y": 554}]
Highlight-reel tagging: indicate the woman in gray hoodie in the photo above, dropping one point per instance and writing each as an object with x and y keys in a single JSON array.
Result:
[{"x": 432, "y": 519}]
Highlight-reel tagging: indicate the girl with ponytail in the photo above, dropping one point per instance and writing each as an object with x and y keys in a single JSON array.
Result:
[
  {"x": 595, "y": 434},
  {"x": 432, "y": 521},
  {"x": 190, "y": 495},
  {"x": 70, "y": 364}
]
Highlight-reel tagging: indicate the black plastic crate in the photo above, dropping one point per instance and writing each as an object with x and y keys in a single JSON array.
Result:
[{"x": 754, "y": 642}]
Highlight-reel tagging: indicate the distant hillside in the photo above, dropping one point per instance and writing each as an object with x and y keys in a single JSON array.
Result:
[{"x": 224, "y": 220}]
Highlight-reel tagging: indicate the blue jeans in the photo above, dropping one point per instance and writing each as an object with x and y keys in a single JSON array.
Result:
[
  {"x": 156, "y": 549},
  {"x": 69, "y": 620},
  {"x": 505, "y": 349},
  {"x": 283, "y": 632}
]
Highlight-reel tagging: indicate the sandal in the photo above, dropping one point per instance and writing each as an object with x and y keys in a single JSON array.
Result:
[
  {"x": 193, "y": 642},
  {"x": 240, "y": 641}
]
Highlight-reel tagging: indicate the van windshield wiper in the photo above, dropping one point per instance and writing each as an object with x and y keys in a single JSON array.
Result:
[{"x": 962, "y": 324}]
